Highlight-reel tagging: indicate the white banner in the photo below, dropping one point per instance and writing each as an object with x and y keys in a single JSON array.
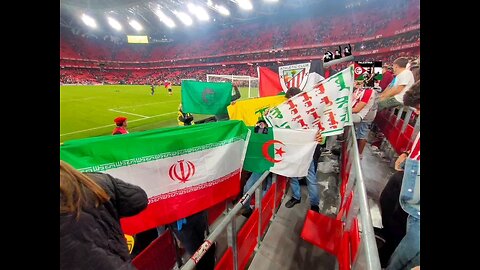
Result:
[{"x": 326, "y": 107}]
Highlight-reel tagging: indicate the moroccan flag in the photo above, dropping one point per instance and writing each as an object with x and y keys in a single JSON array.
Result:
[
  {"x": 183, "y": 170},
  {"x": 275, "y": 79},
  {"x": 251, "y": 110},
  {"x": 326, "y": 107},
  {"x": 206, "y": 97},
  {"x": 286, "y": 152}
]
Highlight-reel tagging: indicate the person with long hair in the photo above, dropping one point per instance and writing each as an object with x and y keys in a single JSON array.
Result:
[{"x": 91, "y": 205}]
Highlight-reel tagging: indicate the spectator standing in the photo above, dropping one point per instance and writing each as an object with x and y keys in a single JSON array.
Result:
[{"x": 91, "y": 205}]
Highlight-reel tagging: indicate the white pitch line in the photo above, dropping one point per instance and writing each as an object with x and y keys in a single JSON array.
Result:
[
  {"x": 111, "y": 125},
  {"x": 128, "y": 113},
  {"x": 146, "y": 104},
  {"x": 78, "y": 99}
]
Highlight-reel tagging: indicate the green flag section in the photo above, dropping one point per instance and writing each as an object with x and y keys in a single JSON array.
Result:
[
  {"x": 206, "y": 97},
  {"x": 286, "y": 152},
  {"x": 183, "y": 170}
]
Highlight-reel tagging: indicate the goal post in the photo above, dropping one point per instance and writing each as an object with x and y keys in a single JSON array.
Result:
[{"x": 251, "y": 83}]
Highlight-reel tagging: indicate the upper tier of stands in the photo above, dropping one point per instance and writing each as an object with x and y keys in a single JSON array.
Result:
[
  {"x": 175, "y": 75},
  {"x": 253, "y": 37}
]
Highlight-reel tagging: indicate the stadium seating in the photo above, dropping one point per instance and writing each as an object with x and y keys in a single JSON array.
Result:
[{"x": 378, "y": 33}]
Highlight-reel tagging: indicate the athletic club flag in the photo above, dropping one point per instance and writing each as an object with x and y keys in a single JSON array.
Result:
[
  {"x": 286, "y": 152},
  {"x": 206, "y": 97},
  {"x": 275, "y": 79},
  {"x": 326, "y": 107},
  {"x": 183, "y": 170}
]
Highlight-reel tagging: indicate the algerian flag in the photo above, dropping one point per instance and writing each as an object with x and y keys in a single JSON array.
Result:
[
  {"x": 206, "y": 97},
  {"x": 183, "y": 170},
  {"x": 286, "y": 152}
]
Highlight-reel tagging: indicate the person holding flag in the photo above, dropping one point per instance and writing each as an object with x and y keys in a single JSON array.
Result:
[
  {"x": 91, "y": 205},
  {"x": 312, "y": 185},
  {"x": 184, "y": 119},
  {"x": 261, "y": 128}
]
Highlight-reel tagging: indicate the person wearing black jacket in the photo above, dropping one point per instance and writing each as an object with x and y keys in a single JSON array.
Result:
[
  {"x": 91, "y": 205},
  {"x": 338, "y": 53},
  {"x": 183, "y": 118},
  {"x": 327, "y": 57},
  {"x": 347, "y": 51}
]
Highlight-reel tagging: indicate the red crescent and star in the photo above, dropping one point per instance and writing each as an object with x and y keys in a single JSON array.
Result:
[{"x": 278, "y": 151}]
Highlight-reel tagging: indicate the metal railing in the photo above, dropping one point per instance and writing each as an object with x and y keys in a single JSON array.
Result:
[
  {"x": 368, "y": 254},
  {"x": 229, "y": 223},
  {"x": 367, "y": 257}
]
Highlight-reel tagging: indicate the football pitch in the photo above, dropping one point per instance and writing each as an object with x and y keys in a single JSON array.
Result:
[{"x": 89, "y": 110}]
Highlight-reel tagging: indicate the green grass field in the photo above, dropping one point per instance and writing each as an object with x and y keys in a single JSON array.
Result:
[{"x": 87, "y": 110}]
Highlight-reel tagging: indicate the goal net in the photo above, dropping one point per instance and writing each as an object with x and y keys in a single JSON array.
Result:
[{"x": 247, "y": 85}]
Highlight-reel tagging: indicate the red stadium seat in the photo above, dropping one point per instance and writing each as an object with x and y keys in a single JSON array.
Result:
[{"x": 159, "y": 255}]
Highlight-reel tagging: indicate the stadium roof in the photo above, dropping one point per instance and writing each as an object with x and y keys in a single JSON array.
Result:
[{"x": 143, "y": 11}]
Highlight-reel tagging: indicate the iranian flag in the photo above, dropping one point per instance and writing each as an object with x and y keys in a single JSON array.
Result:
[
  {"x": 286, "y": 152},
  {"x": 183, "y": 170}
]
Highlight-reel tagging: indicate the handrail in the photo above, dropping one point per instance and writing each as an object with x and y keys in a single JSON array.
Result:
[
  {"x": 356, "y": 183},
  {"x": 368, "y": 239},
  {"x": 229, "y": 218}
]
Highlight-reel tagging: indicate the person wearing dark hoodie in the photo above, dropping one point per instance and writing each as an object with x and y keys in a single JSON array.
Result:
[{"x": 91, "y": 205}]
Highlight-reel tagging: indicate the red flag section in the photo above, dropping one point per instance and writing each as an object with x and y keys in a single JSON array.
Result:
[
  {"x": 268, "y": 82},
  {"x": 172, "y": 206},
  {"x": 359, "y": 70}
]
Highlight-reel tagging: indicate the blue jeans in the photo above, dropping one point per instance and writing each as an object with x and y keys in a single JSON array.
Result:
[
  {"x": 407, "y": 253},
  {"x": 361, "y": 130},
  {"x": 311, "y": 185},
  {"x": 251, "y": 181}
]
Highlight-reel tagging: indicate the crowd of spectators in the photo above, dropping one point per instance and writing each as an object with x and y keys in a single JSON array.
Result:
[
  {"x": 175, "y": 75},
  {"x": 272, "y": 55},
  {"x": 96, "y": 76},
  {"x": 249, "y": 37},
  {"x": 238, "y": 50}
]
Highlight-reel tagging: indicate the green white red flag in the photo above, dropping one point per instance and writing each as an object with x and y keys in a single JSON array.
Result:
[{"x": 182, "y": 169}]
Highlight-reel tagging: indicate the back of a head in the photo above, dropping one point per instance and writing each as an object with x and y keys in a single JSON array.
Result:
[
  {"x": 416, "y": 72},
  {"x": 119, "y": 121},
  {"x": 412, "y": 96},
  {"x": 292, "y": 91},
  {"x": 401, "y": 62},
  {"x": 75, "y": 188}
]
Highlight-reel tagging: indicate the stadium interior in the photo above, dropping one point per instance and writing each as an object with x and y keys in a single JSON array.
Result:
[{"x": 119, "y": 57}]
